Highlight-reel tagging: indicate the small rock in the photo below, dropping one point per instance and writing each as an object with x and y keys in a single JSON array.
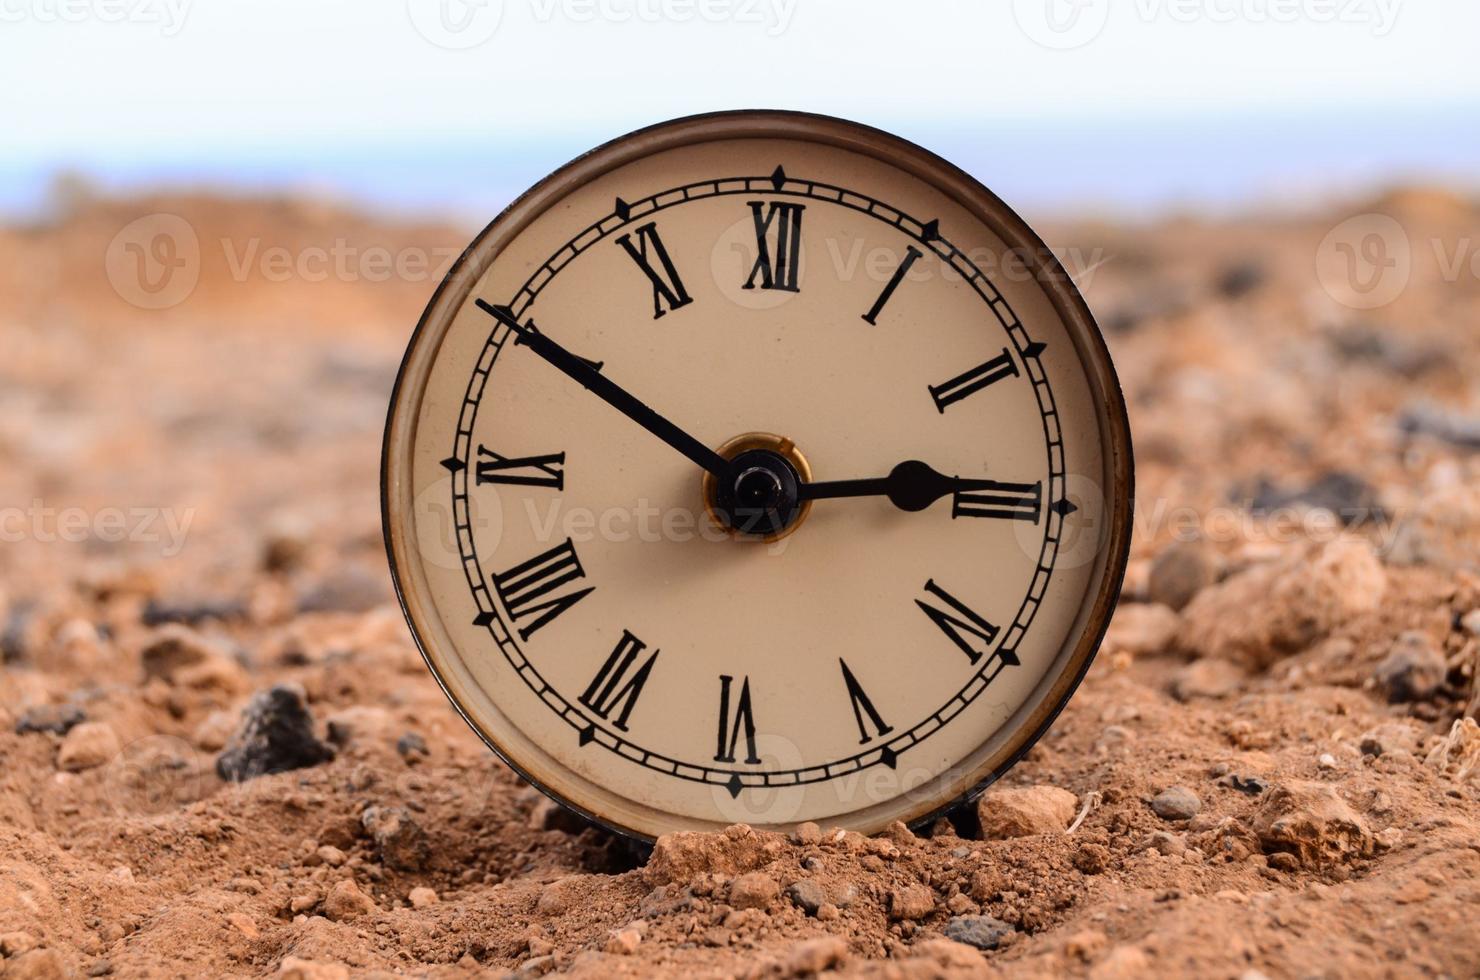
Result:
[
  {"x": 1326, "y": 761},
  {"x": 1413, "y": 670},
  {"x": 16, "y": 943},
  {"x": 1023, "y": 811},
  {"x": 57, "y": 719},
  {"x": 1176, "y": 803},
  {"x": 1092, "y": 859},
  {"x": 624, "y": 942},
  {"x": 814, "y": 956},
  {"x": 911, "y": 902},
  {"x": 38, "y": 964},
  {"x": 214, "y": 731},
  {"x": 753, "y": 890},
  {"x": 412, "y": 745},
  {"x": 1346, "y": 495},
  {"x": 243, "y": 924},
  {"x": 1451, "y": 427},
  {"x": 293, "y": 968},
  {"x": 807, "y": 894},
  {"x": 1086, "y": 944},
  {"x": 402, "y": 843},
  {"x": 1470, "y": 622},
  {"x": 191, "y": 612},
  {"x": 346, "y": 901},
  {"x": 1181, "y": 571},
  {"x": 86, "y": 746},
  {"x": 1312, "y": 822},
  {"x": 981, "y": 931},
  {"x": 1206, "y": 679},
  {"x": 332, "y": 856},
  {"x": 276, "y": 735},
  {"x": 100, "y": 967},
  {"x": 1141, "y": 629},
  {"x": 350, "y": 588},
  {"x": 15, "y": 636},
  {"x": 682, "y": 856},
  {"x": 422, "y": 897},
  {"x": 808, "y": 833},
  {"x": 179, "y": 655},
  {"x": 1164, "y": 843},
  {"x": 1388, "y": 738},
  {"x": 303, "y": 902}
]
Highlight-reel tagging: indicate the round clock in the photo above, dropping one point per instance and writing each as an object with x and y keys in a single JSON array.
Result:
[{"x": 757, "y": 467}]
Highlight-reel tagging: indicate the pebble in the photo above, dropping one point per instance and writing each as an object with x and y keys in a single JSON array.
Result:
[
  {"x": 1326, "y": 761},
  {"x": 191, "y": 612},
  {"x": 1413, "y": 670},
  {"x": 100, "y": 967},
  {"x": 623, "y": 942},
  {"x": 1207, "y": 678},
  {"x": 402, "y": 843},
  {"x": 911, "y": 902},
  {"x": 1387, "y": 738},
  {"x": 332, "y": 856},
  {"x": 1180, "y": 571},
  {"x": 808, "y": 833},
  {"x": 243, "y": 924},
  {"x": 411, "y": 745},
  {"x": 981, "y": 931},
  {"x": 350, "y": 588},
  {"x": 1176, "y": 803},
  {"x": 1141, "y": 629},
  {"x": 57, "y": 719},
  {"x": 1092, "y": 859},
  {"x": 87, "y": 746},
  {"x": 276, "y": 735},
  {"x": 1352, "y": 499},
  {"x": 753, "y": 890},
  {"x": 346, "y": 901},
  {"x": 1312, "y": 822},
  {"x": 814, "y": 956},
  {"x": 807, "y": 894},
  {"x": 422, "y": 897},
  {"x": 1008, "y": 812}
]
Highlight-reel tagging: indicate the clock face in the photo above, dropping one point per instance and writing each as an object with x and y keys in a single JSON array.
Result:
[{"x": 761, "y": 468}]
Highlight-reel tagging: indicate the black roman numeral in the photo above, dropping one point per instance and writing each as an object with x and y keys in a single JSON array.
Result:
[
  {"x": 1007, "y": 501},
  {"x": 731, "y": 727},
  {"x": 667, "y": 286},
  {"x": 527, "y": 471},
  {"x": 904, "y": 267},
  {"x": 960, "y": 623},
  {"x": 778, "y": 269},
  {"x": 526, "y": 588},
  {"x": 614, "y": 686},
  {"x": 999, "y": 367},
  {"x": 862, "y": 706}
]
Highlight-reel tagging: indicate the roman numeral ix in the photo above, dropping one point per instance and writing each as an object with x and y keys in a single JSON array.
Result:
[
  {"x": 778, "y": 269},
  {"x": 952, "y": 391},
  {"x": 526, "y": 589},
  {"x": 960, "y": 623},
  {"x": 529, "y": 471},
  {"x": 733, "y": 725},
  {"x": 614, "y": 687},
  {"x": 667, "y": 286}
]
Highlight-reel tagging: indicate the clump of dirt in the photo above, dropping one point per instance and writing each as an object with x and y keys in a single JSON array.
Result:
[{"x": 223, "y": 756}]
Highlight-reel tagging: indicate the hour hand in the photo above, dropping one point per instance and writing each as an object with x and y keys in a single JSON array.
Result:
[
  {"x": 911, "y": 486},
  {"x": 590, "y": 377}
]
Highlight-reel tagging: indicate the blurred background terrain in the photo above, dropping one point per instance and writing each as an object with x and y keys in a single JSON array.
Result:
[{"x": 217, "y": 229}]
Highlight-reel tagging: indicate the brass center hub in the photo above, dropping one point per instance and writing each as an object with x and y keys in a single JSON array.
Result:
[{"x": 761, "y": 500}]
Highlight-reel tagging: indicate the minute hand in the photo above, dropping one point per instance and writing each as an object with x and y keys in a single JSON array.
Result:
[
  {"x": 609, "y": 391},
  {"x": 912, "y": 486}
]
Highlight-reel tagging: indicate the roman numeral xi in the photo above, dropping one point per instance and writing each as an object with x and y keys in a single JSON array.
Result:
[
  {"x": 668, "y": 288},
  {"x": 529, "y": 589}
]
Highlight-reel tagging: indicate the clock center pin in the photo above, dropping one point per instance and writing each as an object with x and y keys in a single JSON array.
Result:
[{"x": 761, "y": 500}]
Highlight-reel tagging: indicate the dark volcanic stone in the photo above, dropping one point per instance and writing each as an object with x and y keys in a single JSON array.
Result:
[
  {"x": 276, "y": 735},
  {"x": 157, "y": 613},
  {"x": 399, "y": 838},
  {"x": 981, "y": 931},
  {"x": 58, "y": 719},
  {"x": 1351, "y": 498},
  {"x": 1413, "y": 670}
]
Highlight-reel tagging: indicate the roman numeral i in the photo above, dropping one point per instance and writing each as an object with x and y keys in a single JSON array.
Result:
[
  {"x": 777, "y": 268},
  {"x": 667, "y": 286},
  {"x": 614, "y": 686},
  {"x": 526, "y": 589}
]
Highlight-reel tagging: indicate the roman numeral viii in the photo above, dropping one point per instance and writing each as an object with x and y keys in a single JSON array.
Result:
[
  {"x": 952, "y": 391},
  {"x": 863, "y": 708},
  {"x": 667, "y": 286},
  {"x": 616, "y": 685},
  {"x": 778, "y": 269},
  {"x": 1007, "y": 501},
  {"x": 734, "y": 724},
  {"x": 965, "y": 628},
  {"x": 529, "y": 471},
  {"x": 527, "y": 588}
]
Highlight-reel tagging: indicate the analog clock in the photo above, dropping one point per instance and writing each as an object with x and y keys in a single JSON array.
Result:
[{"x": 757, "y": 467}]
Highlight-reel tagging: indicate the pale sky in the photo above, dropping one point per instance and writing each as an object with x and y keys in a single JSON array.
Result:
[{"x": 138, "y": 86}]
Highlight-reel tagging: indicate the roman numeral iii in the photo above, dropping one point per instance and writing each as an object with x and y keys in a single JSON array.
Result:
[
  {"x": 527, "y": 588},
  {"x": 529, "y": 471},
  {"x": 969, "y": 631},
  {"x": 979, "y": 377},
  {"x": 1007, "y": 501},
  {"x": 614, "y": 687},
  {"x": 863, "y": 708},
  {"x": 732, "y": 725},
  {"x": 667, "y": 286},
  {"x": 777, "y": 268}
]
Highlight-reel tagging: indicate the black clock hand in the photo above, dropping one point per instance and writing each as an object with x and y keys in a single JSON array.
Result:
[
  {"x": 912, "y": 485},
  {"x": 608, "y": 391}
]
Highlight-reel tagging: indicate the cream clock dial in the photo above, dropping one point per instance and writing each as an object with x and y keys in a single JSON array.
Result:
[{"x": 757, "y": 467}]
